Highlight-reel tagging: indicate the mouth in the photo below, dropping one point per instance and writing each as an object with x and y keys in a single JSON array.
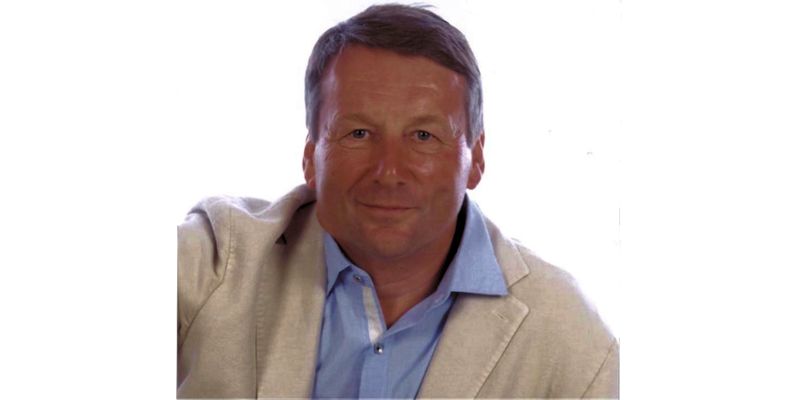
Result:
[{"x": 390, "y": 209}]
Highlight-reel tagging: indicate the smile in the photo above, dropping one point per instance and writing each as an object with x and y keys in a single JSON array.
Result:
[{"x": 385, "y": 208}]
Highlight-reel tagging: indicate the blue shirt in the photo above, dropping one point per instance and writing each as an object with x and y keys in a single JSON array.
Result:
[{"x": 358, "y": 356}]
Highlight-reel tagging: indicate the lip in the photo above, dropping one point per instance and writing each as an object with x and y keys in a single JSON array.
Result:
[{"x": 386, "y": 208}]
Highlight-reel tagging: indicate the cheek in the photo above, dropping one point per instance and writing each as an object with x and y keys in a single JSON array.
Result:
[
  {"x": 426, "y": 166},
  {"x": 336, "y": 169},
  {"x": 447, "y": 169}
]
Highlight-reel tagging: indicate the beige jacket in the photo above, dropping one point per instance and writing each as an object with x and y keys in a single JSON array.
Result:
[{"x": 251, "y": 291}]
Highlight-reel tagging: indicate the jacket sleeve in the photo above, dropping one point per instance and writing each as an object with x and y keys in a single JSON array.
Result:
[
  {"x": 202, "y": 260},
  {"x": 606, "y": 382}
]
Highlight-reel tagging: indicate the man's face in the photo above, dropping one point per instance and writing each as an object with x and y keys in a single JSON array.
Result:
[{"x": 391, "y": 163}]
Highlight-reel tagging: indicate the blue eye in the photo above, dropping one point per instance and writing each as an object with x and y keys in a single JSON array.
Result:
[
  {"x": 359, "y": 133},
  {"x": 424, "y": 136}
]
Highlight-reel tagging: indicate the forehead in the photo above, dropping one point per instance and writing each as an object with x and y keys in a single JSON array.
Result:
[{"x": 361, "y": 74}]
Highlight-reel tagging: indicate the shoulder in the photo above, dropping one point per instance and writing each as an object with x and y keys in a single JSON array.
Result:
[
  {"x": 556, "y": 295},
  {"x": 562, "y": 325},
  {"x": 221, "y": 212},
  {"x": 546, "y": 289},
  {"x": 214, "y": 221}
]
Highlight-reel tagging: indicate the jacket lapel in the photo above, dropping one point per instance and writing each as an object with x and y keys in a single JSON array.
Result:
[
  {"x": 475, "y": 336},
  {"x": 289, "y": 313},
  {"x": 477, "y": 331}
]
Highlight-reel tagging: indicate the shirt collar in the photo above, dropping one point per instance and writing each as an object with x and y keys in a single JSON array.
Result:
[
  {"x": 474, "y": 268},
  {"x": 335, "y": 260}
]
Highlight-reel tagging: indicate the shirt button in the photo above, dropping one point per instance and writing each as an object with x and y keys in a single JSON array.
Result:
[
  {"x": 378, "y": 348},
  {"x": 358, "y": 278}
]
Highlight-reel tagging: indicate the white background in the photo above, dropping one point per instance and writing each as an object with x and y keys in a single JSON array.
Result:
[{"x": 648, "y": 149}]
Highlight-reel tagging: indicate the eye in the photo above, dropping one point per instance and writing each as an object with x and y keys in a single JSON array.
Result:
[
  {"x": 423, "y": 136},
  {"x": 356, "y": 139},
  {"x": 425, "y": 142},
  {"x": 359, "y": 134}
]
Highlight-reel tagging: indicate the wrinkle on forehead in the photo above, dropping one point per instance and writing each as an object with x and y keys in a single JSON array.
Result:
[
  {"x": 361, "y": 78},
  {"x": 422, "y": 81},
  {"x": 384, "y": 87},
  {"x": 417, "y": 67}
]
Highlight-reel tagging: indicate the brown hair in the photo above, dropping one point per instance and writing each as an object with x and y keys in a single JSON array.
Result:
[{"x": 408, "y": 30}]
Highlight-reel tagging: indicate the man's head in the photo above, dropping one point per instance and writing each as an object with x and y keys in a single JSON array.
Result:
[
  {"x": 389, "y": 152},
  {"x": 405, "y": 30}
]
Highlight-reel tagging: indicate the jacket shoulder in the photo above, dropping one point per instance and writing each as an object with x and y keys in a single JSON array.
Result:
[
  {"x": 212, "y": 230},
  {"x": 562, "y": 337},
  {"x": 556, "y": 294},
  {"x": 544, "y": 287},
  {"x": 569, "y": 329}
]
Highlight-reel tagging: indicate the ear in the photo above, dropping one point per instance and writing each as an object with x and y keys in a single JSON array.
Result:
[
  {"x": 476, "y": 169},
  {"x": 308, "y": 163}
]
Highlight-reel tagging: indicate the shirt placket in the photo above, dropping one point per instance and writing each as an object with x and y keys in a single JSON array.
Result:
[{"x": 374, "y": 371}]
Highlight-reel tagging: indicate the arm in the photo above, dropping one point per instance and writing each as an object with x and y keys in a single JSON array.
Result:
[{"x": 202, "y": 262}]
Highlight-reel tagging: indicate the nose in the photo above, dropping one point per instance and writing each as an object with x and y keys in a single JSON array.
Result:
[{"x": 390, "y": 163}]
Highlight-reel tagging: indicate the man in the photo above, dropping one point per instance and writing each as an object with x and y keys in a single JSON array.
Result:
[{"x": 379, "y": 277}]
